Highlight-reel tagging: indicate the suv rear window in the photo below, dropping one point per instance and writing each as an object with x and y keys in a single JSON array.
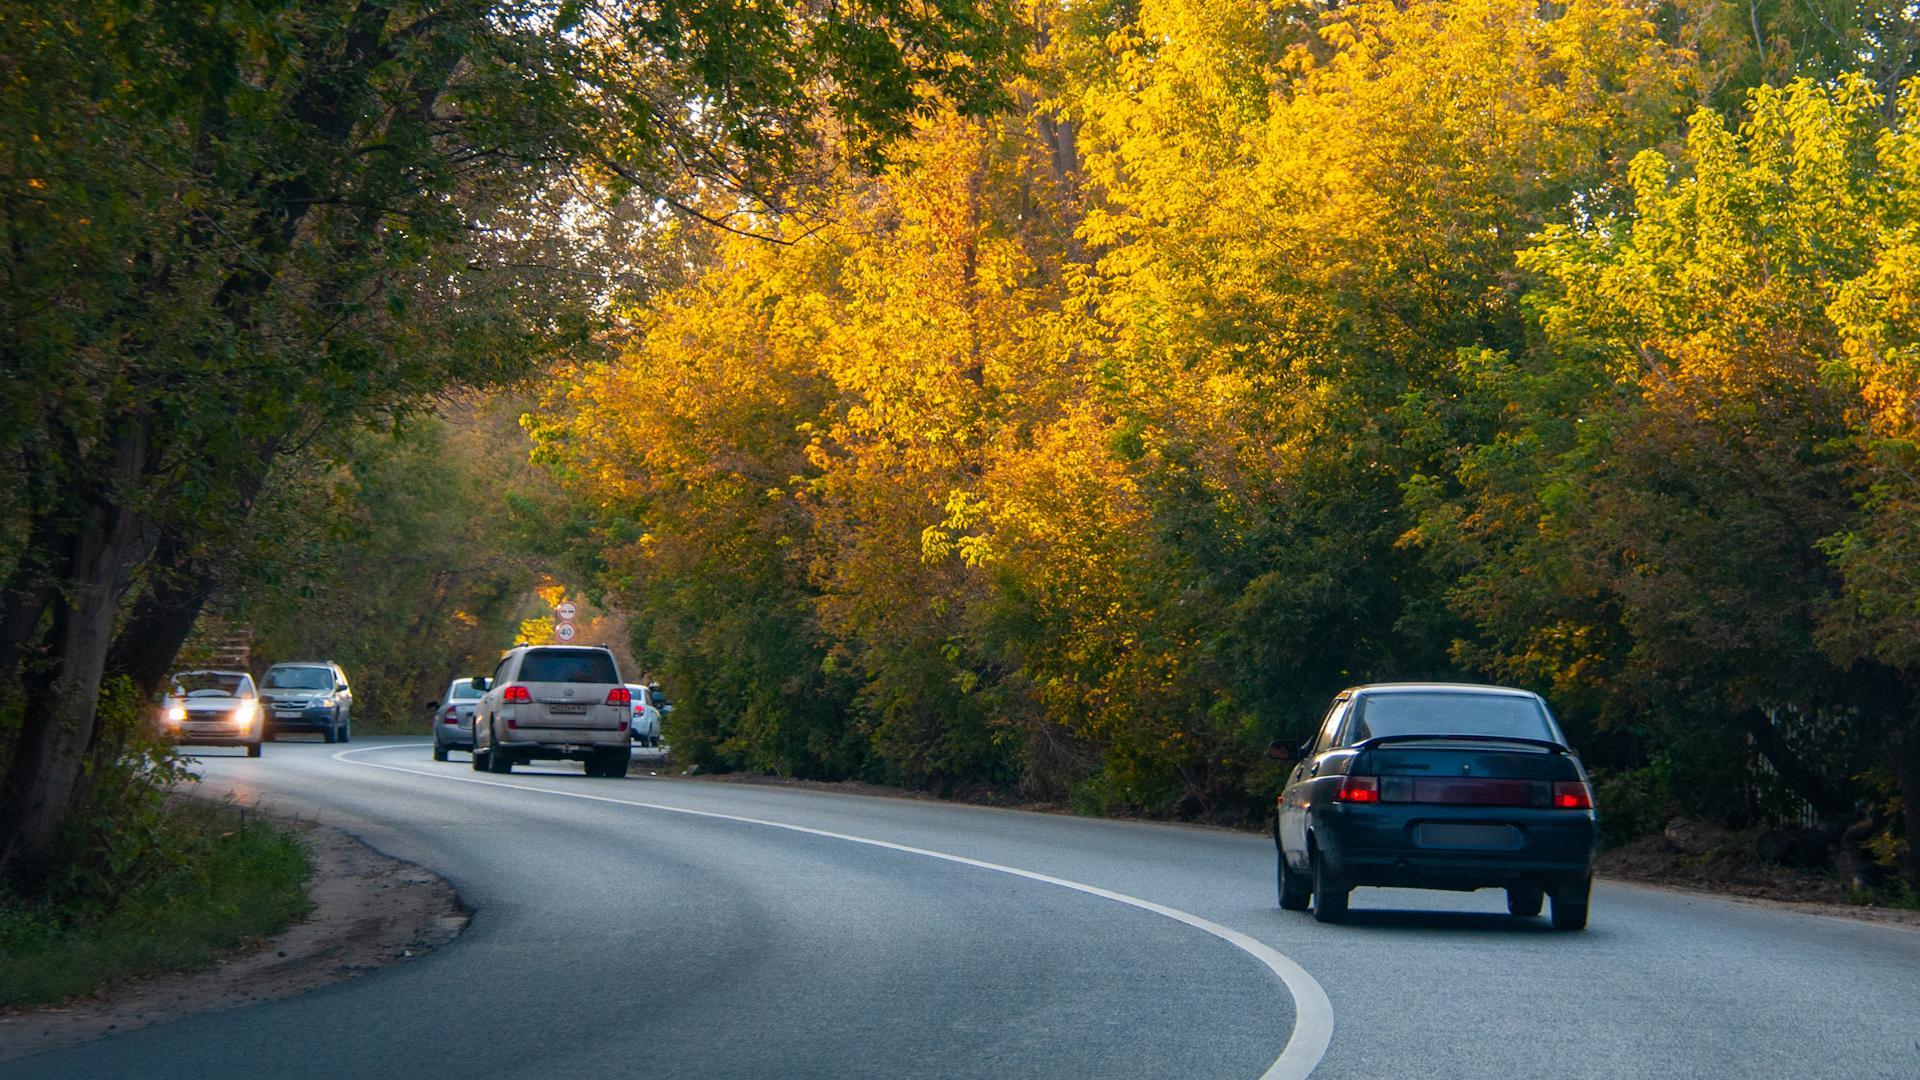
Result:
[
  {"x": 1448, "y": 714},
  {"x": 568, "y": 666}
]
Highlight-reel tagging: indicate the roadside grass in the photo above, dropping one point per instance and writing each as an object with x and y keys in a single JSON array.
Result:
[{"x": 228, "y": 878}]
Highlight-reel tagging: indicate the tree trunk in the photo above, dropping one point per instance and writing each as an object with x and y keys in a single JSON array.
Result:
[
  {"x": 162, "y": 618},
  {"x": 28, "y": 592},
  {"x": 61, "y": 703},
  {"x": 1906, "y": 766}
]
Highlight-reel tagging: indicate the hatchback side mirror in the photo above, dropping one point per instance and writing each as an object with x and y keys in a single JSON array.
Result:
[
  {"x": 339, "y": 687},
  {"x": 1281, "y": 751},
  {"x": 432, "y": 705}
]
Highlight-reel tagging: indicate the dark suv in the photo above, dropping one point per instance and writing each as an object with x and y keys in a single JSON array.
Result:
[
  {"x": 1436, "y": 786},
  {"x": 307, "y": 695}
]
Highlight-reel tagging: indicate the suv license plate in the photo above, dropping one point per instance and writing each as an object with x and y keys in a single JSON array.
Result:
[{"x": 568, "y": 709}]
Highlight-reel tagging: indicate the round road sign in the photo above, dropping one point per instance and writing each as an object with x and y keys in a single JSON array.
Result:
[
  {"x": 563, "y": 631},
  {"x": 565, "y": 610}
]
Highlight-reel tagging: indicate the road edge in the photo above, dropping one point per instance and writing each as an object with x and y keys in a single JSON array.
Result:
[
  {"x": 370, "y": 910},
  {"x": 1313, "y": 1021}
]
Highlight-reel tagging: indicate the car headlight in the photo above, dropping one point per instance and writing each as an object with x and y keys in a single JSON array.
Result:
[
  {"x": 323, "y": 703},
  {"x": 243, "y": 715},
  {"x": 176, "y": 713}
]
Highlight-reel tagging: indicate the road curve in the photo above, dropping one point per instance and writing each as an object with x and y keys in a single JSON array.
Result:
[{"x": 647, "y": 927}]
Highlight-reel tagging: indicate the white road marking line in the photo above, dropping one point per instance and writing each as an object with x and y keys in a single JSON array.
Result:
[{"x": 1312, "y": 1012}]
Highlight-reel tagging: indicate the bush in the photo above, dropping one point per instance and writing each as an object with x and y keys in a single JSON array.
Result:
[
  {"x": 1632, "y": 803},
  {"x": 227, "y": 879},
  {"x": 144, "y": 881}
]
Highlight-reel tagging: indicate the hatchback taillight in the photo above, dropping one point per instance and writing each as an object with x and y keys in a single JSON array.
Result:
[
  {"x": 451, "y": 716},
  {"x": 619, "y": 695},
  {"x": 516, "y": 695},
  {"x": 1363, "y": 789},
  {"x": 1572, "y": 795}
]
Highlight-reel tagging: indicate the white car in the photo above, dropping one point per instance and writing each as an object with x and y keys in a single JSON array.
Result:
[
  {"x": 213, "y": 708},
  {"x": 646, "y": 716}
]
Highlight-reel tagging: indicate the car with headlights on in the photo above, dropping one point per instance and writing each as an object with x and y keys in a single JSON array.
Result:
[
  {"x": 554, "y": 703},
  {"x": 308, "y": 695},
  {"x": 453, "y": 718},
  {"x": 1436, "y": 786},
  {"x": 212, "y": 708}
]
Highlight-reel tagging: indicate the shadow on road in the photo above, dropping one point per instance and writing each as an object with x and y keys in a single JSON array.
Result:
[{"x": 1452, "y": 921}]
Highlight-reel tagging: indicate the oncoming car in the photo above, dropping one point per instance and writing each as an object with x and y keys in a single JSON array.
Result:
[
  {"x": 554, "y": 703},
  {"x": 1436, "y": 786},
  {"x": 308, "y": 695},
  {"x": 212, "y": 708}
]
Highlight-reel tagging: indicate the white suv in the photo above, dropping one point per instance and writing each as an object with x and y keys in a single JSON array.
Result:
[{"x": 553, "y": 703}]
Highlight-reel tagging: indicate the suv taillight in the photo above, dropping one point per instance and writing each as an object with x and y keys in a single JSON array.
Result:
[
  {"x": 451, "y": 716},
  {"x": 516, "y": 695},
  {"x": 1360, "y": 789},
  {"x": 619, "y": 695},
  {"x": 1572, "y": 795}
]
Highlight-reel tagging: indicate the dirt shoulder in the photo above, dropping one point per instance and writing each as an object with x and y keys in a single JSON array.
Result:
[{"x": 369, "y": 910}]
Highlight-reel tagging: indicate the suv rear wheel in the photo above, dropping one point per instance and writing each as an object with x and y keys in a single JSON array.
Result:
[
  {"x": 609, "y": 763},
  {"x": 498, "y": 761}
]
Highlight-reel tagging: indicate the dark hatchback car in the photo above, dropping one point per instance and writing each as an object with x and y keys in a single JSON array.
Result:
[{"x": 1436, "y": 786}]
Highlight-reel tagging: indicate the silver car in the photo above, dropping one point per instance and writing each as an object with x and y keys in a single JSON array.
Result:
[
  {"x": 453, "y": 718},
  {"x": 554, "y": 703},
  {"x": 213, "y": 708},
  {"x": 308, "y": 695}
]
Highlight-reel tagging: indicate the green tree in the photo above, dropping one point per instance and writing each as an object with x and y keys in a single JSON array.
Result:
[{"x": 232, "y": 230}]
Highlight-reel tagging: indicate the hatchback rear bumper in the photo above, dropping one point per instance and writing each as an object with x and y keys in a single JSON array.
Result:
[{"x": 1392, "y": 845}]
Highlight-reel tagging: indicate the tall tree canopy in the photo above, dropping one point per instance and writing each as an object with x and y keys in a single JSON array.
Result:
[{"x": 235, "y": 229}]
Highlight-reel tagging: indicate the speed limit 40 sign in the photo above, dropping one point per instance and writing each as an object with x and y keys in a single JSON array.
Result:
[{"x": 563, "y": 631}]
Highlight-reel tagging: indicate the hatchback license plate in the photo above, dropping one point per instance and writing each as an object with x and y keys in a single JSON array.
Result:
[{"x": 1469, "y": 837}]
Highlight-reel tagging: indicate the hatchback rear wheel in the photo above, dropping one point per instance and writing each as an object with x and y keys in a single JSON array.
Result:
[
  {"x": 1329, "y": 893},
  {"x": 1296, "y": 889},
  {"x": 1570, "y": 906}
]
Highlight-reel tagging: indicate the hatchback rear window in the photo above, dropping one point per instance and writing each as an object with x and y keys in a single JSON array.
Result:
[
  {"x": 1448, "y": 714},
  {"x": 568, "y": 666}
]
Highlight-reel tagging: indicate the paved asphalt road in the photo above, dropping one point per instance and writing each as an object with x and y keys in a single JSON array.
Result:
[{"x": 670, "y": 928}]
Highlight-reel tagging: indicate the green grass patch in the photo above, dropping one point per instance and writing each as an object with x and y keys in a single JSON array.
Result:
[{"x": 228, "y": 878}]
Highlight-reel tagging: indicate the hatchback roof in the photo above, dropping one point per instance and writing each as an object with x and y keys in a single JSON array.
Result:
[{"x": 1440, "y": 687}]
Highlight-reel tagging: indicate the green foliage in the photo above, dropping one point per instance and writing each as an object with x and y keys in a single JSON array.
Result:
[
  {"x": 208, "y": 878},
  {"x": 402, "y": 564},
  {"x": 1268, "y": 349}
]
